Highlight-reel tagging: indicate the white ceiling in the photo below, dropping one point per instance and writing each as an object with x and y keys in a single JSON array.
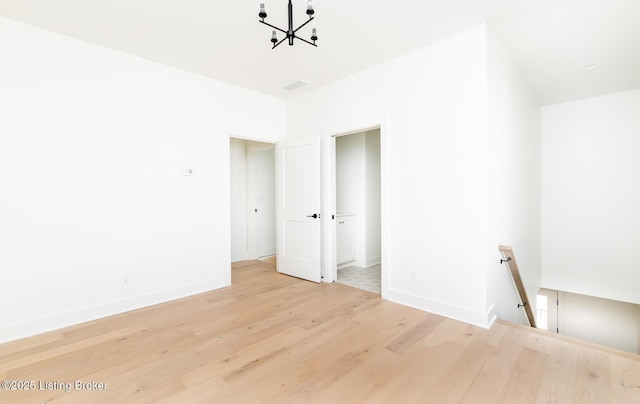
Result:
[{"x": 550, "y": 40}]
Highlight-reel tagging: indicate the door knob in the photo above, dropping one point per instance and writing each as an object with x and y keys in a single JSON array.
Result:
[{"x": 315, "y": 216}]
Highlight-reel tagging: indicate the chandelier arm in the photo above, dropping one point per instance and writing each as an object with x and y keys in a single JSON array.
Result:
[
  {"x": 281, "y": 41},
  {"x": 307, "y": 22},
  {"x": 304, "y": 40},
  {"x": 274, "y": 27}
]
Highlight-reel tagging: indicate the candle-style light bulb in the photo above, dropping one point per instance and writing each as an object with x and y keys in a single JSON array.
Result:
[
  {"x": 274, "y": 38},
  {"x": 263, "y": 13},
  {"x": 314, "y": 35},
  {"x": 309, "y": 8}
]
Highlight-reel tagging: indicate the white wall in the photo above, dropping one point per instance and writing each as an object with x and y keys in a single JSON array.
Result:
[
  {"x": 351, "y": 186},
  {"x": 373, "y": 232},
  {"x": 350, "y": 173},
  {"x": 514, "y": 186},
  {"x": 590, "y": 196},
  {"x": 92, "y": 143},
  {"x": 603, "y": 321},
  {"x": 431, "y": 108},
  {"x": 445, "y": 111},
  {"x": 238, "y": 186}
]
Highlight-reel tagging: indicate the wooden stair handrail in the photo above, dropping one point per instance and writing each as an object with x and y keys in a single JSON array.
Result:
[{"x": 509, "y": 259}]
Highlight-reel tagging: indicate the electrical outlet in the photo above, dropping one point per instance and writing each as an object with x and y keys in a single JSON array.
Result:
[
  {"x": 413, "y": 276},
  {"x": 125, "y": 279}
]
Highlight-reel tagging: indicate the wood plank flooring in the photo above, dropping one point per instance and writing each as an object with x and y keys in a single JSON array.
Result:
[{"x": 270, "y": 338}]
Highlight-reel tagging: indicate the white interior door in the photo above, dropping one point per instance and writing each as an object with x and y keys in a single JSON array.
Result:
[{"x": 298, "y": 206}]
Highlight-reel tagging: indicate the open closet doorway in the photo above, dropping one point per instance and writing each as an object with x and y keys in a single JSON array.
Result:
[
  {"x": 253, "y": 209},
  {"x": 358, "y": 209}
]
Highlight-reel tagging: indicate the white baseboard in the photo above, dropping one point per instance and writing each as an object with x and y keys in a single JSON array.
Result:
[
  {"x": 478, "y": 318},
  {"x": 61, "y": 320},
  {"x": 346, "y": 264},
  {"x": 266, "y": 253},
  {"x": 239, "y": 257},
  {"x": 362, "y": 264}
]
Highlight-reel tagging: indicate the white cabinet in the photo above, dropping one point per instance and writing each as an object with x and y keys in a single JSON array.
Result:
[{"x": 346, "y": 239}]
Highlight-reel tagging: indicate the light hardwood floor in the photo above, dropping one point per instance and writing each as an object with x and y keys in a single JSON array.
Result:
[{"x": 275, "y": 339}]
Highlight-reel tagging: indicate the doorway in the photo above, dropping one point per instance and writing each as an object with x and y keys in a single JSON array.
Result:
[
  {"x": 252, "y": 205},
  {"x": 358, "y": 209}
]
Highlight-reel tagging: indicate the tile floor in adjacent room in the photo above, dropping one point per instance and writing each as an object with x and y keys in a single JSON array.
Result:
[{"x": 361, "y": 278}]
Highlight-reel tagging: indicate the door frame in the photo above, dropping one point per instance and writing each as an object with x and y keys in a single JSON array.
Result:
[
  {"x": 555, "y": 300},
  {"x": 329, "y": 201},
  {"x": 226, "y": 203}
]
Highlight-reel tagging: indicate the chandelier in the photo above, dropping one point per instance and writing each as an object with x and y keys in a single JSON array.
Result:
[{"x": 290, "y": 33}]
